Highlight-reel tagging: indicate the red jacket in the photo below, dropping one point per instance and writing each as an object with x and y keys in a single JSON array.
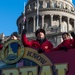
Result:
[
  {"x": 69, "y": 44},
  {"x": 0, "y": 46},
  {"x": 46, "y": 45}
]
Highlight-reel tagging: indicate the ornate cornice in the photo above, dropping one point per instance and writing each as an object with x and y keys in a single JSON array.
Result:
[{"x": 51, "y": 9}]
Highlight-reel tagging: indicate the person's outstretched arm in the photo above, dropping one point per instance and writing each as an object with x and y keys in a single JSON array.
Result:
[{"x": 25, "y": 41}]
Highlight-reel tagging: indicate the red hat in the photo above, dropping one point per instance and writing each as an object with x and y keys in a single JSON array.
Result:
[{"x": 40, "y": 30}]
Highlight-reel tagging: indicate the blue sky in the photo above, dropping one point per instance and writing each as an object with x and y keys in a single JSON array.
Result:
[{"x": 10, "y": 10}]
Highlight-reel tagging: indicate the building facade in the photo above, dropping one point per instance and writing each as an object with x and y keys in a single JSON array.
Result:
[{"x": 55, "y": 16}]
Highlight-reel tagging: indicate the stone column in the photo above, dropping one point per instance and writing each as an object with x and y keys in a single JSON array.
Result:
[
  {"x": 34, "y": 24},
  {"x": 57, "y": 4},
  {"x": 67, "y": 24},
  {"x": 64, "y": 5},
  {"x": 44, "y": 4},
  {"x": 60, "y": 21},
  {"x": 51, "y": 4},
  {"x": 42, "y": 21},
  {"x": 51, "y": 20}
]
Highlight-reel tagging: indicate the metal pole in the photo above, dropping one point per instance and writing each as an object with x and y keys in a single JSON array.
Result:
[
  {"x": 24, "y": 18},
  {"x": 37, "y": 13}
]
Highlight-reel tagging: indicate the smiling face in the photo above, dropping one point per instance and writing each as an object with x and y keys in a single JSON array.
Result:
[
  {"x": 65, "y": 36},
  {"x": 14, "y": 37},
  {"x": 40, "y": 35}
]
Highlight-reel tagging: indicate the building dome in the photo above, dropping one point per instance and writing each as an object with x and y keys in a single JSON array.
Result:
[
  {"x": 55, "y": 16},
  {"x": 70, "y": 1},
  {"x": 52, "y": 8}
]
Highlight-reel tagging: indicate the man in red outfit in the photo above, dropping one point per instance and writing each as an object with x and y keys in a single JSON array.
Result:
[
  {"x": 0, "y": 46},
  {"x": 67, "y": 43},
  {"x": 41, "y": 43}
]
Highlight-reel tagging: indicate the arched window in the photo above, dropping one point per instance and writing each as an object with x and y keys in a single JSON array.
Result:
[{"x": 48, "y": 5}]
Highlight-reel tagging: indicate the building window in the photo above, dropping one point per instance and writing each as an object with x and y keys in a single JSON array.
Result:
[
  {"x": 55, "y": 5},
  {"x": 41, "y": 4},
  {"x": 48, "y": 5},
  {"x": 66, "y": 6}
]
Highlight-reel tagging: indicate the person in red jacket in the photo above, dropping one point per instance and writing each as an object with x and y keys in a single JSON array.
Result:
[
  {"x": 73, "y": 36},
  {"x": 67, "y": 43},
  {"x": 1, "y": 44},
  {"x": 41, "y": 43}
]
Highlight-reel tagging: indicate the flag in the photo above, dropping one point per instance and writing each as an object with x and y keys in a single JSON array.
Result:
[{"x": 24, "y": 19}]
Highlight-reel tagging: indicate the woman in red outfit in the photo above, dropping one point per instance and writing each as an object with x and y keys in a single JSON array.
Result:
[
  {"x": 67, "y": 43},
  {"x": 41, "y": 43}
]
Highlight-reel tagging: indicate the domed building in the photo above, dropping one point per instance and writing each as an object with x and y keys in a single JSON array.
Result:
[{"x": 55, "y": 16}]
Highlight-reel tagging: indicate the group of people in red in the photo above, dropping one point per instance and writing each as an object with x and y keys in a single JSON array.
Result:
[{"x": 43, "y": 45}]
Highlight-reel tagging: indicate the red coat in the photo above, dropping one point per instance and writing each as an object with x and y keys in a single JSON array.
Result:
[
  {"x": 69, "y": 44},
  {"x": 74, "y": 42},
  {"x": 0, "y": 46},
  {"x": 46, "y": 45}
]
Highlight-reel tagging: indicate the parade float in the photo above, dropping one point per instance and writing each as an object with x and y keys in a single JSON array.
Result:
[{"x": 27, "y": 61}]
